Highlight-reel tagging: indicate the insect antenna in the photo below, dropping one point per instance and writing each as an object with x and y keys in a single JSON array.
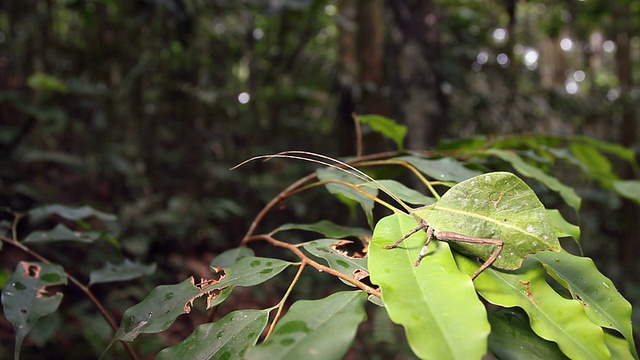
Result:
[{"x": 332, "y": 163}]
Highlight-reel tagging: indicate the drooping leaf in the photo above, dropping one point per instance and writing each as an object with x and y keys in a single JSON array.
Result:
[
  {"x": 567, "y": 193},
  {"x": 405, "y": 194},
  {"x": 562, "y": 226},
  {"x": 326, "y": 228},
  {"x": 61, "y": 233},
  {"x": 387, "y": 127},
  {"x": 622, "y": 152},
  {"x": 227, "y": 338},
  {"x": 445, "y": 169},
  {"x": 435, "y": 303},
  {"x": 165, "y": 303},
  {"x": 496, "y": 206},
  {"x": 70, "y": 212},
  {"x": 26, "y": 297},
  {"x": 230, "y": 257},
  {"x": 512, "y": 338},
  {"x": 347, "y": 192},
  {"x": 551, "y": 316},
  {"x": 326, "y": 249},
  {"x": 158, "y": 311},
  {"x": 602, "y": 303},
  {"x": 598, "y": 166},
  {"x": 128, "y": 270},
  {"x": 315, "y": 329},
  {"x": 628, "y": 188}
]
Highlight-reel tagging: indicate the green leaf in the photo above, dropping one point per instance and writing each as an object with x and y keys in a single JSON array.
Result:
[
  {"x": 387, "y": 127},
  {"x": 628, "y": 188},
  {"x": 70, "y": 213},
  {"x": 165, "y": 303},
  {"x": 348, "y": 192},
  {"x": 512, "y": 338},
  {"x": 26, "y": 297},
  {"x": 445, "y": 169},
  {"x": 128, "y": 270},
  {"x": 338, "y": 260},
  {"x": 619, "y": 348},
  {"x": 622, "y": 152},
  {"x": 435, "y": 303},
  {"x": 159, "y": 310},
  {"x": 227, "y": 338},
  {"x": 44, "y": 81},
  {"x": 563, "y": 227},
  {"x": 568, "y": 194},
  {"x": 551, "y": 316},
  {"x": 495, "y": 206},
  {"x": 315, "y": 329},
  {"x": 230, "y": 257},
  {"x": 602, "y": 303},
  {"x": 405, "y": 194},
  {"x": 61, "y": 233},
  {"x": 326, "y": 228},
  {"x": 598, "y": 165}
]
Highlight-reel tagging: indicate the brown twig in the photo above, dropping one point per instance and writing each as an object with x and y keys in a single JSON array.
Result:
[
  {"x": 105, "y": 314},
  {"x": 294, "y": 248}
]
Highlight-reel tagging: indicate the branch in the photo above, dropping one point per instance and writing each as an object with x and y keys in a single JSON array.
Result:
[{"x": 321, "y": 268}]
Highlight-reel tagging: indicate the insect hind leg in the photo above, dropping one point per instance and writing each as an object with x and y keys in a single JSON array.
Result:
[
  {"x": 453, "y": 236},
  {"x": 423, "y": 225}
]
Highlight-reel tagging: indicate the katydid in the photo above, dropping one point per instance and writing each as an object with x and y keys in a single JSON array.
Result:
[{"x": 494, "y": 217}]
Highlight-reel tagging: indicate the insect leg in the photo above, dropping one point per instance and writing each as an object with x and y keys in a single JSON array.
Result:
[
  {"x": 423, "y": 225},
  {"x": 453, "y": 236},
  {"x": 423, "y": 251}
]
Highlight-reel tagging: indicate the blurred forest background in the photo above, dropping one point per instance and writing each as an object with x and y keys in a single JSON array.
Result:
[{"x": 140, "y": 107}]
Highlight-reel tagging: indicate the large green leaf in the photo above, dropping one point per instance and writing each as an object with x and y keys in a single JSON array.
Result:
[
  {"x": 128, "y": 270},
  {"x": 512, "y": 338},
  {"x": 387, "y": 127},
  {"x": 227, "y": 338},
  {"x": 326, "y": 228},
  {"x": 496, "y": 206},
  {"x": 26, "y": 297},
  {"x": 567, "y": 193},
  {"x": 551, "y": 316},
  {"x": 165, "y": 303},
  {"x": 445, "y": 169},
  {"x": 436, "y": 303},
  {"x": 315, "y": 329},
  {"x": 603, "y": 304}
]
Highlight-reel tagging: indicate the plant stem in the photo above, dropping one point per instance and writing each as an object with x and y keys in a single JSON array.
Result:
[
  {"x": 284, "y": 298},
  {"x": 293, "y": 248}
]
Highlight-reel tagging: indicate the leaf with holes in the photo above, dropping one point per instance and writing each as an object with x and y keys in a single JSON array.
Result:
[
  {"x": 158, "y": 311},
  {"x": 315, "y": 329},
  {"x": 25, "y": 297},
  {"x": 227, "y": 338},
  {"x": 496, "y": 206},
  {"x": 328, "y": 249}
]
